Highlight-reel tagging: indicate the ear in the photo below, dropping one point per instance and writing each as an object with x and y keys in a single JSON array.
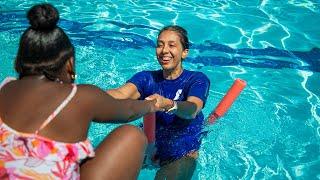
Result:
[
  {"x": 70, "y": 65},
  {"x": 185, "y": 53}
]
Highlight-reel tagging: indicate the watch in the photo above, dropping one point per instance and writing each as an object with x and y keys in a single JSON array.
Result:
[{"x": 173, "y": 109}]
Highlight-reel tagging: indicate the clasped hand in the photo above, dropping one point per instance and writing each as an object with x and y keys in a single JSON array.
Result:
[{"x": 162, "y": 103}]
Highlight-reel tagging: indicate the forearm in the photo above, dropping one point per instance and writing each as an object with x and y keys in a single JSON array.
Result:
[
  {"x": 186, "y": 110},
  {"x": 138, "y": 108},
  {"x": 121, "y": 110},
  {"x": 127, "y": 91}
]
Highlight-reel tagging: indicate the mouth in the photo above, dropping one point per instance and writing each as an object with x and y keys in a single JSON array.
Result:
[{"x": 165, "y": 59}]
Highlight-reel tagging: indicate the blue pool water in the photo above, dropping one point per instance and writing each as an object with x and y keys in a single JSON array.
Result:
[{"x": 271, "y": 132}]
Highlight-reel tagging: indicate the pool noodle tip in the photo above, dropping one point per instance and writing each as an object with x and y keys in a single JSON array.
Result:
[{"x": 226, "y": 102}]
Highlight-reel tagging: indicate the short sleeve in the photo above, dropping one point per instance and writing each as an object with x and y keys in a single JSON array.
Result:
[
  {"x": 140, "y": 80},
  {"x": 199, "y": 87}
]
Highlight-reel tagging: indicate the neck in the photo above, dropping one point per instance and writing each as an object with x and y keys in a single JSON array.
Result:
[
  {"x": 43, "y": 78},
  {"x": 35, "y": 77},
  {"x": 172, "y": 74}
]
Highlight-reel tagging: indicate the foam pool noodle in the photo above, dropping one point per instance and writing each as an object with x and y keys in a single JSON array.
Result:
[
  {"x": 227, "y": 100},
  {"x": 149, "y": 127}
]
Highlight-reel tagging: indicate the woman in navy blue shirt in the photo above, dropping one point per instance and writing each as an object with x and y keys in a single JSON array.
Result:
[{"x": 181, "y": 94}]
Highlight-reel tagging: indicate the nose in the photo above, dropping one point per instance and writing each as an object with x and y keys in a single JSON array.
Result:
[{"x": 165, "y": 49}]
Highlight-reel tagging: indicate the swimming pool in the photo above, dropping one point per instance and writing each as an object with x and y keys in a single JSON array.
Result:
[{"x": 271, "y": 132}]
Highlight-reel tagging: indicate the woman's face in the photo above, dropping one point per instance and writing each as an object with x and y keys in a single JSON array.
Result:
[{"x": 170, "y": 51}]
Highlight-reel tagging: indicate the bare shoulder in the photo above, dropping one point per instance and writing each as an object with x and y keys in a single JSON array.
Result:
[{"x": 88, "y": 90}]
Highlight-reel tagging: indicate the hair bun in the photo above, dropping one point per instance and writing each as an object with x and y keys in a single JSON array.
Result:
[{"x": 43, "y": 17}]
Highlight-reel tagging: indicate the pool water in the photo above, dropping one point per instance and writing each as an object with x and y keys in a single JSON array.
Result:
[{"x": 272, "y": 131}]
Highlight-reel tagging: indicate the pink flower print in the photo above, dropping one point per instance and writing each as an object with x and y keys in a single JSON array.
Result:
[
  {"x": 6, "y": 156},
  {"x": 3, "y": 171},
  {"x": 72, "y": 153},
  {"x": 44, "y": 148},
  {"x": 4, "y": 134},
  {"x": 62, "y": 171},
  {"x": 50, "y": 145}
]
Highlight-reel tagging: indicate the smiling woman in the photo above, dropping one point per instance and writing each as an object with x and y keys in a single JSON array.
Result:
[
  {"x": 182, "y": 94},
  {"x": 172, "y": 49}
]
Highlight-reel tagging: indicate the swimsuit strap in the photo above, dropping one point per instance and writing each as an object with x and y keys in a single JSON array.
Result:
[
  {"x": 6, "y": 80},
  {"x": 59, "y": 108}
]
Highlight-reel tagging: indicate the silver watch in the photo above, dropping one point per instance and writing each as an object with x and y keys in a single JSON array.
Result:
[{"x": 173, "y": 109}]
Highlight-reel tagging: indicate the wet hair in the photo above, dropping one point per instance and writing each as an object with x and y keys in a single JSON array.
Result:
[
  {"x": 182, "y": 33},
  {"x": 44, "y": 47}
]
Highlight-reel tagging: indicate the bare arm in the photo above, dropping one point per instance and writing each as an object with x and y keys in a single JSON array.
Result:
[
  {"x": 103, "y": 107},
  {"x": 190, "y": 108},
  {"x": 127, "y": 91}
]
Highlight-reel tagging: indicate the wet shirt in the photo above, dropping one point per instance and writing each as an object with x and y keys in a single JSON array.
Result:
[{"x": 175, "y": 136}]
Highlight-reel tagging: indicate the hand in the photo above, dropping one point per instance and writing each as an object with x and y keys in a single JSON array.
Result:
[
  {"x": 162, "y": 102},
  {"x": 153, "y": 105}
]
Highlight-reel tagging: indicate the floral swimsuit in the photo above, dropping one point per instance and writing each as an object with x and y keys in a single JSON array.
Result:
[{"x": 31, "y": 156}]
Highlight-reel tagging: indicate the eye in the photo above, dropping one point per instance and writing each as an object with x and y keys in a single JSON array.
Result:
[
  {"x": 172, "y": 45},
  {"x": 159, "y": 45}
]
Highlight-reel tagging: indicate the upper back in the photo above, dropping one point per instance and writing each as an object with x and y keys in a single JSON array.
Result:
[{"x": 26, "y": 104}]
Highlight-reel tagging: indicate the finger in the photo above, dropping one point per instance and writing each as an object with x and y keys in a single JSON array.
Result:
[{"x": 151, "y": 97}]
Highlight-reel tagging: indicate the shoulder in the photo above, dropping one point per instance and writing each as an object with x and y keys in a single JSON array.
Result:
[
  {"x": 197, "y": 75},
  {"x": 88, "y": 91},
  {"x": 146, "y": 75}
]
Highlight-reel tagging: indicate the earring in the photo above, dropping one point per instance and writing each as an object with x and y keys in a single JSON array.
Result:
[{"x": 73, "y": 76}]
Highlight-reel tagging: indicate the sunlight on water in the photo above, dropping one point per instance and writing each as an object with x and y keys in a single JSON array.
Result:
[{"x": 272, "y": 131}]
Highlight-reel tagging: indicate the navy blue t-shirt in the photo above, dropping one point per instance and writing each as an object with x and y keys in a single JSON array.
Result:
[{"x": 175, "y": 136}]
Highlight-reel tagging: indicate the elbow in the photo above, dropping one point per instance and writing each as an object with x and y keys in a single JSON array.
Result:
[
  {"x": 194, "y": 114},
  {"x": 188, "y": 111},
  {"x": 190, "y": 116}
]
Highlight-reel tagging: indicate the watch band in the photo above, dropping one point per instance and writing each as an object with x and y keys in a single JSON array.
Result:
[{"x": 173, "y": 109}]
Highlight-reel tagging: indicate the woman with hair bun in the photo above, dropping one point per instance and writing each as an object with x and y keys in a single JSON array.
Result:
[{"x": 44, "y": 116}]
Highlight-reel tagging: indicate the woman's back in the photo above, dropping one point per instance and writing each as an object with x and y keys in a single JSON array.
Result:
[
  {"x": 25, "y": 104},
  {"x": 33, "y": 118}
]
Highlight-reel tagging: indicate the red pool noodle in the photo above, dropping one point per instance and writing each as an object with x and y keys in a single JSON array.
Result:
[
  {"x": 227, "y": 100},
  {"x": 149, "y": 127}
]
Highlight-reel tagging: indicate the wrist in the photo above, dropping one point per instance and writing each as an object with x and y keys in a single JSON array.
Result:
[
  {"x": 169, "y": 105},
  {"x": 151, "y": 104},
  {"x": 173, "y": 108}
]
